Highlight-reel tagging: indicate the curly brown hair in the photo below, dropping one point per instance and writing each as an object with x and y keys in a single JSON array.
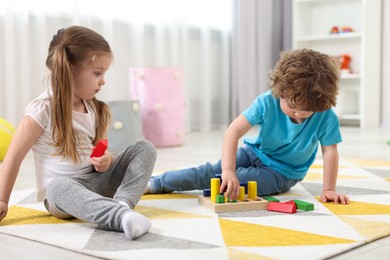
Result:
[{"x": 307, "y": 79}]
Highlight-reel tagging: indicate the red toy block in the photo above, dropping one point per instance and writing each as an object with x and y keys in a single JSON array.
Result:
[
  {"x": 290, "y": 202},
  {"x": 100, "y": 148},
  {"x": 288, "y": 207}
]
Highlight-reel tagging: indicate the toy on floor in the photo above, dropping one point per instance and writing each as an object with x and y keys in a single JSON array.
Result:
[
  {"x": 290, "y": 206},
  {"x": 286, "y": 207},
  {"x": 213, "y": 200},
  {"x": 6, "y": 133},
  {"x": 270, "y": 198},
  {"x": 100, "y": 148},
  {"x": 303, "y": 205}
]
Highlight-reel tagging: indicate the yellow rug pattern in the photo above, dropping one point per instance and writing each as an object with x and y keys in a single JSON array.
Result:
[{"x": 184, "y": 229}]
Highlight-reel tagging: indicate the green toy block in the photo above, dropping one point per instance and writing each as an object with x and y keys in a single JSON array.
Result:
[
  {"x": 220, "y": 199},
  {"x": 270, "y": 198},
  {"x": 303, "y": 205}
]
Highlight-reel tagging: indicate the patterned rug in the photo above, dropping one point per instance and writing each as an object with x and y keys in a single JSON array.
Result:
[{"x": 182, "y": 229}]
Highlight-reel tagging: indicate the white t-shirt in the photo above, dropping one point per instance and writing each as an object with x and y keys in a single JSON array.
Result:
[{"x": 47, "y": 165}]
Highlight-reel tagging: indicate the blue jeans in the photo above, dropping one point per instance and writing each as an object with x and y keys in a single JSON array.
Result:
[{"x": 248, "y": 168}]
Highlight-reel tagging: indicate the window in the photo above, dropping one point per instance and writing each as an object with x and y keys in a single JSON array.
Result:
[{"x": 199, "y": 13}]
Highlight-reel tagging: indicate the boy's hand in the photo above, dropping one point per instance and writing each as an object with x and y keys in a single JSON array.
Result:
[
  {"x": 335, "y": 197},
  {"x": 102, "y": 163},
  {"x": 3, "y": 210},
  {"x": 231, "y": 184}
]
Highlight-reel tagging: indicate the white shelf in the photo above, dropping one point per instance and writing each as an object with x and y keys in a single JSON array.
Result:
[
  {"x": 330, "y": 37},
  {"x": 350, "y": 76},
  {"x": 360, "y": 90},
  {"x": 312, "y": 2},
  {"x": 349, "y": 117}
]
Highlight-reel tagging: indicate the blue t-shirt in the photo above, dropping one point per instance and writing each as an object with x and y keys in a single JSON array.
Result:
[{"x": 284, "y": 146}]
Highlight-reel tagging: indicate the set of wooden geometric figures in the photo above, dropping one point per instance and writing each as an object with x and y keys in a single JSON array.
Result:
[
  {"x": 214, "y": 200},
  {"x": 217, "y": 197}
]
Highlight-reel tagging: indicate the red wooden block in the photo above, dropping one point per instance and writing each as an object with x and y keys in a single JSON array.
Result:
[
  {"x": 100, "y": 148},
  {"x": 288, "y": 207},
  {"x": 292, "y": 202}
]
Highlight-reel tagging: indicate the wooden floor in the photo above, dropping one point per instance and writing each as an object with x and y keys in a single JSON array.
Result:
[{"x": 199, "y": 147}]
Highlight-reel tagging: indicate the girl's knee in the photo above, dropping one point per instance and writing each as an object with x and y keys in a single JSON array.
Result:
[
  {"x": 146, "y": 146},
  {"x": 56, "y": 186}
]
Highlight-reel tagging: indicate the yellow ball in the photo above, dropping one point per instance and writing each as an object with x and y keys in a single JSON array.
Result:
[{"x": 6, "y": 133}]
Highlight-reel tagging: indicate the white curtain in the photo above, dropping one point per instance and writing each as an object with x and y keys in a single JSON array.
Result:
[
  {"x": 261, "y": 29},
  {"x": 192, "y": 34}
]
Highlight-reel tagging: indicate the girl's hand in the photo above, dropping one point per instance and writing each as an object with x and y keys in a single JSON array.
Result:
[
  {"x": 3, "y": 210},
  {"x": 101, "y": 164},
  {"x": 335, "y": 197},
  {"x": 231, "y": 184}
]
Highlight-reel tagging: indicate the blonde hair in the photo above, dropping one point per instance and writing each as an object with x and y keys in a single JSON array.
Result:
[
  {"x": 308, "y": 79},
  {"x": 74, "y": 46}
]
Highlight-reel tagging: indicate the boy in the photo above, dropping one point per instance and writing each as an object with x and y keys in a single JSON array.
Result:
[{"x": 294, "y": 117}]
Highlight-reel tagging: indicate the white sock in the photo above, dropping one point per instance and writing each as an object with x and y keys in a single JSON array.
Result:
[
  {"x": 134, "y": 224},
  {"x": 124, "y": 204}
]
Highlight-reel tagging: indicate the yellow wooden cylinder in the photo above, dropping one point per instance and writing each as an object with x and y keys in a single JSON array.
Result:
[
  {"x": 215, "y": 185},
  {"x": 241, "y": 196},
  {"x": 252, "y": 189}
]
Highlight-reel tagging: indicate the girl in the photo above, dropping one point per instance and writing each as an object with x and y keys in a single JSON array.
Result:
[{"x": 62, "y": 125}]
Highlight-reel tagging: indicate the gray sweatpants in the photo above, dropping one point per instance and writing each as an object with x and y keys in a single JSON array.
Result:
[{"x": 95, "y": 197}]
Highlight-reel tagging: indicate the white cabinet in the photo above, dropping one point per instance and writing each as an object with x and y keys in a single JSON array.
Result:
[{"x": 359, "y": 98}]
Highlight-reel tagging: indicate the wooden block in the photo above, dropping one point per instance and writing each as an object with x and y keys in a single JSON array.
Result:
[
  {"x": 241, "y": 196},
  {"x": 303, "y": 205},
  {"x": 215, "y": 184},
  {"x": 245, "y": 185},
  {"x": 270, "y": 198},
  {"x": 220, "y": 199},
  {"x": 252, "y": 189},
  {"x": 100, "y": 148},
  {"x": 240, "y": 205},
  {"x": 287, "y": 207}
]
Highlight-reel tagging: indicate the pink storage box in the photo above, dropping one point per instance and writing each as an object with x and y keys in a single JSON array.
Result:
[{"x": 160, "y": 93}]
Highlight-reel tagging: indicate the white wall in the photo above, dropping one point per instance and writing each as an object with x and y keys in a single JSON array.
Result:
[{"x": 386, "y": 64}]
